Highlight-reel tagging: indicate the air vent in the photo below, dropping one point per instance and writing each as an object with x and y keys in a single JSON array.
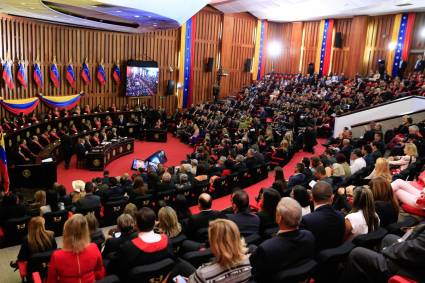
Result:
[{"x": 404, "y": 4}]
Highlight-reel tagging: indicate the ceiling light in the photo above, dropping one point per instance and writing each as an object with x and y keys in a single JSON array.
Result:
[
  {"x": 422, "y": 32},
  {"x": 274, "y": 48},
  {"x": 23, "y": 3},
  {"x": 32, "y": 8},
  {"x": 118, "y": 11},
  {"x": 136, "y": 16},
  {"x": 392, "y": 45}
]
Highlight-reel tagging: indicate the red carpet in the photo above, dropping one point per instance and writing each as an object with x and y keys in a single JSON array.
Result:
[{"x": 174, "y": 150}]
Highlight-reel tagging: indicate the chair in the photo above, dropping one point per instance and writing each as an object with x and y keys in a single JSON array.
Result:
[
  {"x": 38, "y": 263},
  {"x": 255, "y": 173},
  {"x": 197, "y": 258},
  {"x": 395, "y": 228},
  {"x": 143, "y": 201},
  {"x": 167, "y": 196},
  {"x": 55, "y": 221},
  {"x": 109, "y": 279},
  {"x": 253, "y": 239},
  {"x": 297, "y": 273},
  {"x": 176, "y": 242},
  {"x": 233, "y": 181},
  {"x": 199, "y": 188},
  {"x": 371, "y": 239},
  {"x": 220, "y": 187},
  {"x": 85, "y": 211},
  {"x": 245, "y": 178},
  {"x": 264, "y": 172},
  {"x": 16, "y": 229},
  {"x": 113, "y": 209},
  {"x": 401, "y": 279},
  {"x": 413, "y": 210},
  {"x": 155, "y": 272}
]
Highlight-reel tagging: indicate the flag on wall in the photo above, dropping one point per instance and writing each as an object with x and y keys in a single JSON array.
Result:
[
  {"x": 62, "y": 102},
  {"x": 101, "y": 76},
  {"x": 54, "y": 75},
  {"x": 18, "y": 106},
  {"x": 259, "y": 52},
  {"x": 4, "y": 173},
  {"x": 7, "y": 75},
  {"x": 401, "y": 37},
  {"x": 22, "y": 76},
  {"x": 325, "y": 54},
  {"x": 116, "y": 74},
  {"x": 70, "y": 75},
  {"x": 85, "y": 74},
  {"x": 187, "y": 50},
  {"x": 38, "y": 76}
]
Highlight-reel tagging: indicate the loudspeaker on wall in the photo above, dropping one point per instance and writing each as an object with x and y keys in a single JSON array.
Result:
[
  {"x": 210, "y": 64},
  {"x": 248, "y": 65},
  {"x": 338, "y": 40},
  {"x": 170, "y": 87}
]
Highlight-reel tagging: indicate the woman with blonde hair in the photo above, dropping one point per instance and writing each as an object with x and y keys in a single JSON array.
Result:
[
  {"x": 231, "y": 262},
  {"x": 78, "y": 260},
  {"x": 168, "y": 222},
  {"x": 38, "y": 240},
  {"x": 382, "y": 169},
  {"x": 411, "y": 153}
]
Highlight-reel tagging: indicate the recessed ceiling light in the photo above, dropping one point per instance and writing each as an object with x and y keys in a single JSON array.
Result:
[
  {"x": 32, "y": 8},
  {"x": 55, "y": 16},
  {"x": 136, "y": 16},
  {"x": 149, "y": 16},
  {"x": 118, "y": 11},
  {"x": 23, "y": 3}
]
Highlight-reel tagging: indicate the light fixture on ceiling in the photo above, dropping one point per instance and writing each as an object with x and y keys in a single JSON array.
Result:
[
  {"x": 136, "y": 16},
  {"x": 23, "y": 3},
  {"x": 392, "y": 45},
  {"x": 118, "y": 11},
  {"x": 274, "y": 48},
  {"x": 422, "y": 32}
]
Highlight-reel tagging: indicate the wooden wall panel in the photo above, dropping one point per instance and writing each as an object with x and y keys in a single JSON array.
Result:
[
  {"x": 340, "y": 55},
  {"x": 295, "y": 48},
  {"x": 30, "y": 41},
  {"x": 310, "y": 39},
  {"x": 356, "y": 43},
  {"x": 238, "y": 45},
  {"x": 281, "y": 34},
  {"x": 417, "y": 46},
  {"x": 207, "y": 45},
  {"x": 378, "y": 37}
]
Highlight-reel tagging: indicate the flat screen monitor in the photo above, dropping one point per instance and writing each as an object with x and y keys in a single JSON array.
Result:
[
  {"x": 142, "y": 78},
  {"x": 157, "y": 157}
]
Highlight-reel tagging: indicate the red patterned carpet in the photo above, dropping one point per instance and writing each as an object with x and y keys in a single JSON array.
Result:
[{"x": 175, "y": 151}]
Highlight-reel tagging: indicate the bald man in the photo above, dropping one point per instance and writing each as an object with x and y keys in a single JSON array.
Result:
[{"x": 197, "y": 225}]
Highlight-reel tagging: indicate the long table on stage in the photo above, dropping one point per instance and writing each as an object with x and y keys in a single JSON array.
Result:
[{"x": 102, "y": 155}]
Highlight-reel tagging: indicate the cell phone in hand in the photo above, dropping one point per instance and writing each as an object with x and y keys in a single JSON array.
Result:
[{"x": 179, "y": 279}]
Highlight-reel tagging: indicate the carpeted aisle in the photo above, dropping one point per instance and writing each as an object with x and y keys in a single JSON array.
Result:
[{"x": 174, "y": 150}]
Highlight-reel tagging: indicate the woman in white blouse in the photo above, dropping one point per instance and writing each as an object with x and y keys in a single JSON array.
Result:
[
  {"x": 362, "y": 219},
  {"x": 410, "y": 152}
]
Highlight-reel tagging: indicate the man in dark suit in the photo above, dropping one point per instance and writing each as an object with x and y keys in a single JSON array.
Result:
[
  {"x": 199, "y": 221},
  {"x": 404, "y": 256},
  {"x": 298, "y": 178},
  {"x": 67, "y": 147},
  {"x": 240, "y": 164},
  {"x": 121, "y": 123},
  {"x": 115, "y": 191},
  {"x": 81, "y": 149},
  {"x": 420, "y": 64},
  {"x": 89, "y": 200},
  {"x": 251, "y": 159},
  {"x": 248, "y": 223},
  {"x": 289, "y": 247},
  {"x": 346, "y": 148},
  {"x": 326, "y": 224}
]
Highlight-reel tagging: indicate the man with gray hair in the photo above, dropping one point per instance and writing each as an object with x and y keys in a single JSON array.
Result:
[{"x": 289, "y": 247}]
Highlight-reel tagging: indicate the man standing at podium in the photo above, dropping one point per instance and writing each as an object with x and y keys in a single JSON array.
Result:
[{"x": 67, "y": 147}]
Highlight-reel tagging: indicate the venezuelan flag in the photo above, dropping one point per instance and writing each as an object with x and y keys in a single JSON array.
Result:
[
  {"x": 101, "y": 76},
  {"x": 186, "y": 61},
  {"x": 116, "y": 74},
  {"x": 38, "y": 76},
  {"x": 61, "y": 102},
  {"x": 70, "y": 75},
  {"x": 400, "y": 40},
  {"x": 85, "y": 74},
  {"x": 326, "y": 32},
  {"x": 7, "y": 75},
  {"x": 18, "y": 106},
  {"x": 22, "y": 76},
  {"x": 3, "y": 165},
  {"x": 54, "y": 75},
  {"x": 260, "y": 45}
]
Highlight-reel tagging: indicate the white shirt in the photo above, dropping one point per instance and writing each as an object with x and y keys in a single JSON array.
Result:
[
  {"x": 305, "y": 210},
  {"x": 358, "y": 223},
  {"x": 357, "y": 164}
]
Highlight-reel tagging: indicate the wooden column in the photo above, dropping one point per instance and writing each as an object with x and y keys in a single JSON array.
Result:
[{"x": 356, "y": 45}]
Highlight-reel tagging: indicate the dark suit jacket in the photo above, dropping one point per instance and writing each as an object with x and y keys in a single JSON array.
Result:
[
  {"x": 116, "y": 191},
  {"x": 408, "y": 257},
  {"x": 81, "y": 151},
  {"x": 327, "y": 226},
  {"x": 201, "y": 220},
  {"x": 297, "y": 179},
  {"x": 281, "y": 251},
  {"x": 238, "y": 167},
  {"x": 248, "y": 223},
  {"x": 89, "y": 201},
  {"x": 112, "y": 245},
  {"x": 251, "y": 162}
]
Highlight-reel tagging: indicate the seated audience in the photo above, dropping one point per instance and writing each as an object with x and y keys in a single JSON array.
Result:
[
  {"x": 302, "y": 196},
  {"x": 326, "y": 224},
  {"x": 362, "y": 219},
  {"x": 124, "y": 232},
  {"x": 357, "y": 162},
  {"x": 408, "y": 194},
  {"x": 182, "y": 207},
  {"x": 402, "y": 162},
  {"x": 298, "y": 178},
  {"x": 168, "y": 222},
  {"x": 386, "y": 204},
  {"x": 247, "y": 222},
  {"x": 231, "y": 262},
  {"x": 90, "y": 200},
  {"x": 78, "y": 260},
  {"x": 382, "y": 169},
  {"x": 268, "y": 202},
  {"x": 289, "y": 247},
  {"x": 96, "y": 234}
]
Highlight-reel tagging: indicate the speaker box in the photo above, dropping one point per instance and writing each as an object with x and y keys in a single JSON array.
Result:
[
  {"x": 210, "y": 64},
  {"x": 310, "y": 69},
  {"x": 381, "y": 66},
  {"x": 170, "y": 87},
  {"x": 338, "y": 40},
  {"x": 248, "y": 65}
]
